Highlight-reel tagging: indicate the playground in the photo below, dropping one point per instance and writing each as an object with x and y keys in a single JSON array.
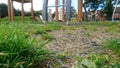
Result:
[{"x": 26, "y": 43}]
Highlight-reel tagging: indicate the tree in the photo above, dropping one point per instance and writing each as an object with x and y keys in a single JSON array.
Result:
[
  {"x": 93, "y": 5},
  {"x": 85, "y": 13},
  {"x": 17, "y": 12},
  {"x": 37, "y": 13},
  {"x": 3, "y": 10},
  {"x": 108, "y": 10},
  {"x": 73, "y": 12}
]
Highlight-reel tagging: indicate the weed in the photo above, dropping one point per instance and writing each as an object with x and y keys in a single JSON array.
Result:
[
  {"x": 113, "y": 44},
  {"x": 18, "y": 51}
]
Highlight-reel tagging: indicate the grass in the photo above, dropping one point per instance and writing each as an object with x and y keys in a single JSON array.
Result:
[
  {"x": 18, "y": 46},
  {"x": 103, "y": 27},
  {"x": 97, "y": 61},
  {"x": 114, "y": 45},
  {"x": 18, "y": 51},
  {"x": 22, "y": 44}
]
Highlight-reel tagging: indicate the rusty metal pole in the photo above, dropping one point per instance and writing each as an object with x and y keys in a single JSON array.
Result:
[
  {"x": 12, "y": 12},
  {"x": 32, "y": 11},
  {"x": 56, "y": 14},
  {"x": 80, "y": 14},
  {"x": 22, "y": 13},
  {"x": 0, "y": 14},
  {"x": 63, "y": 11},
  {"x": 9, "y": 10}
]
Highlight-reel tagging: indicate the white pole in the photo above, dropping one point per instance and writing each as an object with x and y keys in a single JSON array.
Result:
[{"x": 114, "y": 10}]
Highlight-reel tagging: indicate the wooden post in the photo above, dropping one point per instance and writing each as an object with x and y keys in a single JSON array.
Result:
[
  {"x": 32, "y": 11},
  {"x": 79, "y": 18},
  {"x": 22, "y": 13},
  {"x": 0, "y": 14},
  {"x": 56, "y": 14},
  {"x": 9, "y": 10},
  {"x": 63, "y": 11},
  {"x": 12, "y": 12}
]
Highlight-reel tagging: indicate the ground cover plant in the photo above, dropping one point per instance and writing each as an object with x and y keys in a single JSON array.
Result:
[
  {"x": 38, "y": 45},
  {"x": 18, "y": 45},
  {"x": 18, "y": 51}
]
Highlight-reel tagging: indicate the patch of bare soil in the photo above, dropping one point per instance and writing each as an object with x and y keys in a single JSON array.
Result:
[{"x": 78, "y": 42}]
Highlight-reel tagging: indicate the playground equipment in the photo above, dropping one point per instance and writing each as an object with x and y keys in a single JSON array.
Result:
[
  {"x": 66, "y": 9},
  {"x": 11, "y": 9},
  {"x": 67, "y": 4}
]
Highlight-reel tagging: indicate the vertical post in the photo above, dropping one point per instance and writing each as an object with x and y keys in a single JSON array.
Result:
[
  {"x": 9, "y": 10},
  {"x": 0, "y": 14},
  {"x": 56, "y": 14},
  {"x": 32, "y": 12},
  {"x": 113, "y": 15},
  {"x": 63, "y": 11},
  {"x": 68, "y": 10},
  {"x": 44, "y": 10},
  {"x": 79, "y": 18},
  {"x": 22, "y": 13},
  {"x": 12, "y": 12}
]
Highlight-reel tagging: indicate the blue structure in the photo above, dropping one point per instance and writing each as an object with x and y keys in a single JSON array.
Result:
[
  {"x": 45, "y": 9},
  {"x": 68, "y": 9}
]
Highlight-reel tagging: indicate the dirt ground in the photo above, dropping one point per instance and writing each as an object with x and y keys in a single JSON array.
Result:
[{"x": 78, "y": 42}]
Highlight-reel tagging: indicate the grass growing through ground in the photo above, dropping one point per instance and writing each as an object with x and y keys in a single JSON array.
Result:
[
  {"x": 114, "y": 45},
  {"x": 18, "y": 48},
  {"x": 22, "y": 44},
  {"x": 97, "y": 61}
]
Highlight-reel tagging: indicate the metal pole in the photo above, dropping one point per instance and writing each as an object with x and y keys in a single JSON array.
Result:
[
  {"x": 80, "y": 4},
  {"x": 68, "y": 10},
  {"x": 44, "y": 10},
  {"x": 0, "y": 14},
  {"x": 56, "y": 14},
  {"x": 63, "y": 11},
  {"x": 114, "y": 10},
  {"x": 22, "y": 13}
]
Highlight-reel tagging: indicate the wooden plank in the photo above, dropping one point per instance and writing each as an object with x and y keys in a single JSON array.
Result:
[{"x": 25, "y": 1}]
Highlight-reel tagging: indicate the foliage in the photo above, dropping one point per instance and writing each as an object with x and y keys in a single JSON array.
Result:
[
  {"x": 108, "y": 10},
  {"x": 36, "y": 13},
  {"x": 17, "y": 50},
  {"x": 3, "y": 10},
  {"x": 97, "y": 61},
  {"x": 73, "y": 12},
  {"x": 17, "y": 12},
  {"x": 93, "y": 4},
  {"x": 114, "y": 1},
  {"x": 114, "y": 45}
]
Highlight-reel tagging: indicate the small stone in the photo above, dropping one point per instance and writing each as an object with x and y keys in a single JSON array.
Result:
[
  {"x": 64, "y": 66},
  {"x": 94, "y": 44}
]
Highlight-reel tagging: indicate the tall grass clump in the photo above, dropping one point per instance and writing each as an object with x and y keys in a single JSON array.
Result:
[
  {"x": 114, "y": 45},
  {"x": 16, "y": 51}
]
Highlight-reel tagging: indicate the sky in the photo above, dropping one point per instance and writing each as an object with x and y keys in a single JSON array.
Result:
[{"x": 37, "y": 4}]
